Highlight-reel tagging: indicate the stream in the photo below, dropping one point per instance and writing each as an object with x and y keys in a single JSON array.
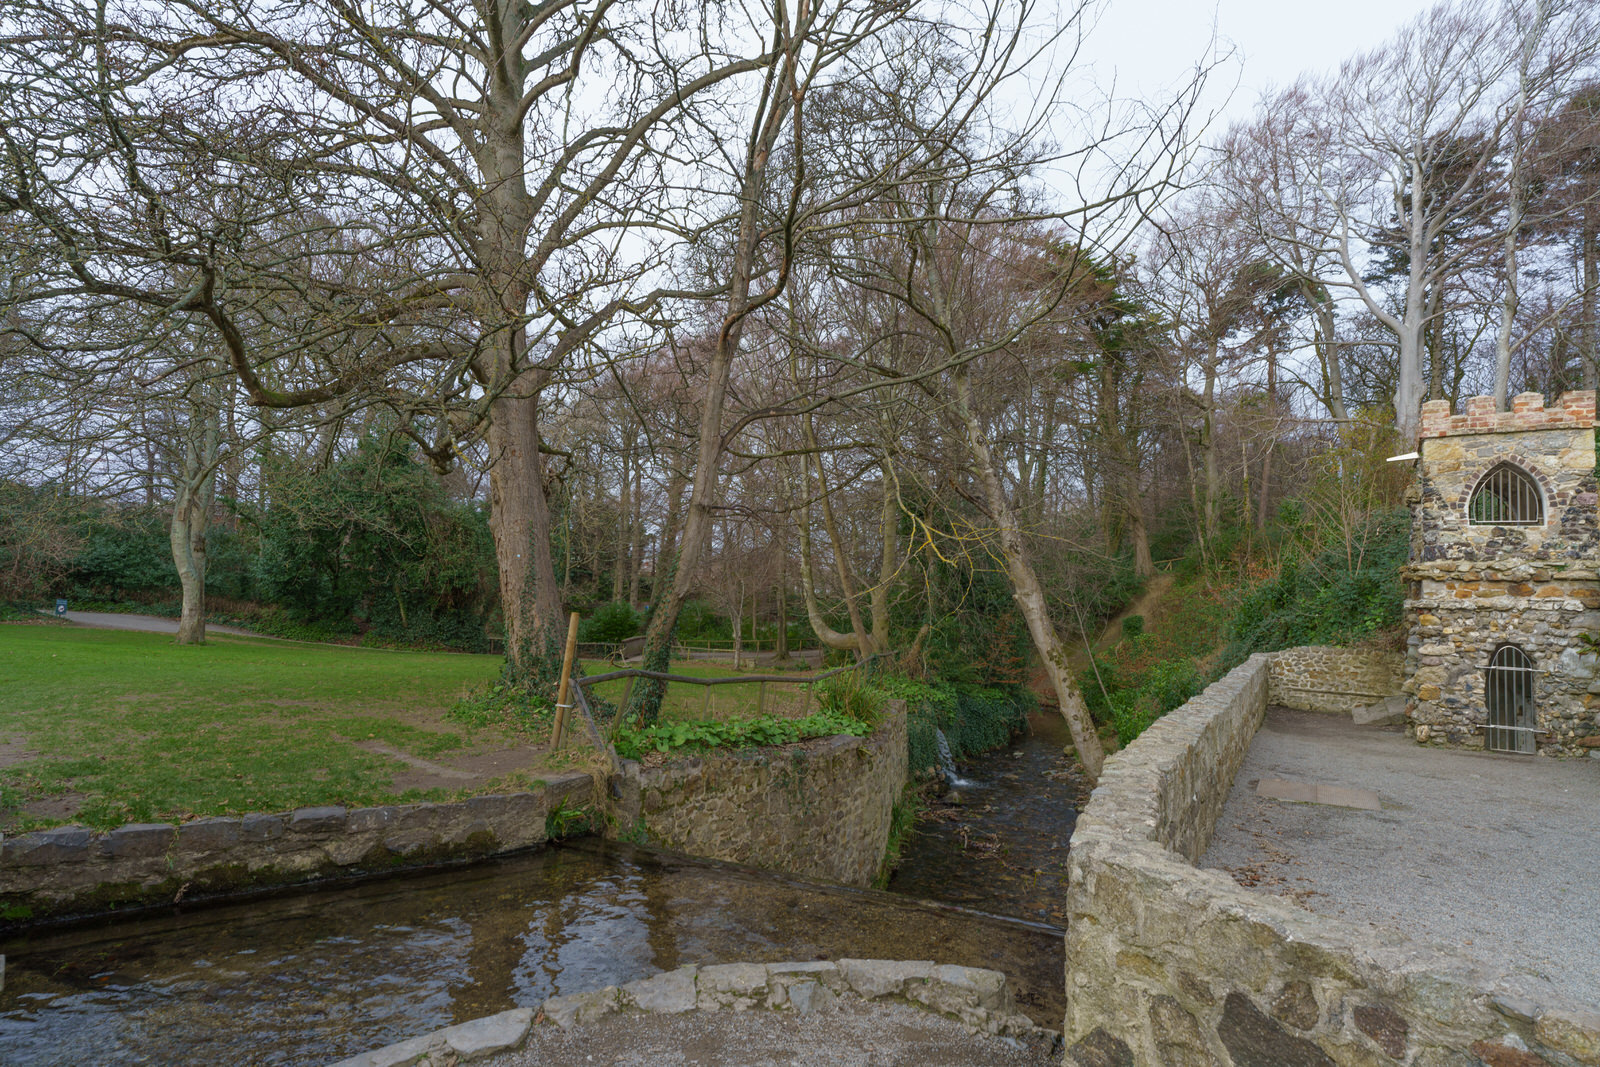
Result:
[
  {"x": 998, "y": 842},
  {"x": 314, "y": 976}
]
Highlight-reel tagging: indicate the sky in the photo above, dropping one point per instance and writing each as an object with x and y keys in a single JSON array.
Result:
[{"x": 1154, "y": 44}]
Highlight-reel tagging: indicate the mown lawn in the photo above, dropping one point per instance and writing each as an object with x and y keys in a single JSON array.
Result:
[{"x": 129, "y": 727}]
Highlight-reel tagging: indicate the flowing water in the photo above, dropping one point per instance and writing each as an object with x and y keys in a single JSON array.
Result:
[
  {"x": 997, "y": 841},
  {"x": 311, "y": 977}
]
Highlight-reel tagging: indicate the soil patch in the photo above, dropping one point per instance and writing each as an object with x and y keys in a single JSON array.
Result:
[
  {"x": 63, "y": 806},
  {"x": 462, "y": 772},
  {"x": 15, "y": 752}
]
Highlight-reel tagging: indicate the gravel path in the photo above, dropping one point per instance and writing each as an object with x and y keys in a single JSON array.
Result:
[
  {"x": 154, "y": 624},
  {"x": 851, "y": 1035},
  {"x": 1493, "y": 856}
]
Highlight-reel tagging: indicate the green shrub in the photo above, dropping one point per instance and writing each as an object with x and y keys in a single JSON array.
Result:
[
  {"x": 609, "y": 623},
  {"x": 1347, "y": 591},
  {"x": 1133, "y": 626}
]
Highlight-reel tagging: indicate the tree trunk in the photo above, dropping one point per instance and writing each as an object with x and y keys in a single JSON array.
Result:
[
  {"x": 1587, "y": 329},
  {"x": 519, "y": 519},
  {"x": 1208, "y": 446},
  {"x": 636, "y": 553},
  {"x": 191, "y": 508},
  {"x": 619, "y": 568},
  {"x": 1026, "y": 590}
]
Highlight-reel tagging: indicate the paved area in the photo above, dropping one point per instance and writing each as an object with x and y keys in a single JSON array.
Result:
[
  {"x": 1493, "y": 856},
  {"x": 154, "y": 624},
  {"x": 851, "y": 1035}
]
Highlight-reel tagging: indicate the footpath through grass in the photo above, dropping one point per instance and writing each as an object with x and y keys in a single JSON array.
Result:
[{"x": 104, "y": 727}]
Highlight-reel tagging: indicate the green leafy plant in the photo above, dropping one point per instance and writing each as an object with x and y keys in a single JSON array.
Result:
[
  {"x": 693, "y": 736},
  {"x": 1133, "y": 626},
  {"x": 565, "y": 820}
]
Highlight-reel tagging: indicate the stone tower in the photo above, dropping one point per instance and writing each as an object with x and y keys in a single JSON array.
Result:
[{"x": 1504, "y": 576}]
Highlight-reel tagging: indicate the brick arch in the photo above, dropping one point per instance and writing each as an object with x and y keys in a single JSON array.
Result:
[{"x": 1527, "y": 466}]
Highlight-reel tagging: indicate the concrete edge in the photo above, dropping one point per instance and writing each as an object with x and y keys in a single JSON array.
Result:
[{"x": 979, "y": 999}]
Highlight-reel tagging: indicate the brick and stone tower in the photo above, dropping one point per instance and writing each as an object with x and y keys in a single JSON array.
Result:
[{"x": 1504, "y": 576}]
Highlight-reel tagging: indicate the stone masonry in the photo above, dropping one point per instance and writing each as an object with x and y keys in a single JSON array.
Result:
[
  {"x": 1171, "y": 965},
  {"x": 72, "y": 869},
  {"x": 819, "y": 809},
  {"x": 1475, "y": 588},
  {"x": 1324, "y": 678}
]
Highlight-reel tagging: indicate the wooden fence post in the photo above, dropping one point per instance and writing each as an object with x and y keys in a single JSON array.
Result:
[{"x": 564, "y": 693}]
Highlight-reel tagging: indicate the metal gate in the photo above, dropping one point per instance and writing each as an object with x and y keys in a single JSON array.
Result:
[{"x": 1509, "y": 694}]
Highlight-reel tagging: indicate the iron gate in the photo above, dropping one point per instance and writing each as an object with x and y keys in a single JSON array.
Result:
[{"x": 1509, "y": 695}]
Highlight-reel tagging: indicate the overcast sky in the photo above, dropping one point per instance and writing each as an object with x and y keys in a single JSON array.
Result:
[{"x": 1153, "y": 44}]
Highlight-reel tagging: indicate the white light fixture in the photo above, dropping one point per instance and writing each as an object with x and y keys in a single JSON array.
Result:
[{"x": 1402, "y": 459}]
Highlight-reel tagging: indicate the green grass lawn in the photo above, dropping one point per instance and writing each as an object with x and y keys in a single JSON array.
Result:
[{"x": 130, "y": 727}]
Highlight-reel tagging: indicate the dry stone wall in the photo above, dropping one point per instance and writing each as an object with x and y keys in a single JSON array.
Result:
[
  {"x": 1169, "y": 964},
  {"x": 71, "y": 869},
  {"x": 820, "y": 809}
]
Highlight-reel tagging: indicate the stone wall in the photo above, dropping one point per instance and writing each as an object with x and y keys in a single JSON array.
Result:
[
  {"x": 1168, "y": 964},
  {"x": 820, "y": 809},
  {"x": 71, "y": 869},
  {"x": 1324, "y": 678},
  {"x": 1476, "y": 588}
]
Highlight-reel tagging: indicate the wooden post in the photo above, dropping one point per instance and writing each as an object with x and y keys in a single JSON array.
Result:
[
  {"x": 564, "y": 693},
  {"x": 761, "y": 699}
]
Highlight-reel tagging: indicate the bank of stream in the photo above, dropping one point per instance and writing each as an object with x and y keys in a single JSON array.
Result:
[{"x": 311, "y": 977}]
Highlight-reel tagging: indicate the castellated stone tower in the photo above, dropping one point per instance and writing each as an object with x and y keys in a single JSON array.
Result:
[{"x": 1504, "y": 577}]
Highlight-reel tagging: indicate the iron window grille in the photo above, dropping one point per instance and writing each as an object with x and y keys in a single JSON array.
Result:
[
  {"x": 1506, "y": 496},
  {"x": 1509, "y": 696}
]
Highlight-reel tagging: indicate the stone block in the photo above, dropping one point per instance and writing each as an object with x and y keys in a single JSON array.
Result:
[
  {"x": 1253, "y": 1039},
  {"x": 209, "y": 835},
  {"x": 139, "y": 840},
  {"x": 406, "y": 842},
  {"x": 1504, "y": 1053},
  {"x": 1098, "y": 1048},
  {"x": 364, "y": 820},
  {"x": 1573, "y": 1034},
  {"x": 61, "y": 844},
  {"x": 258, "y": 829},
  {"x": 579, "y": 1008},
  {"x": 318, "y": 820},
  {"x": 809, "y": 997},
  {"x": 1296, "y": 1005},
  {"x": 668, "y": 993},
  {"x": 731, "y": 985},
  {"x": 884, "y": 978},
  {"x": 1388, "y": 1029},
  {"x": 484, "y": 1037}
]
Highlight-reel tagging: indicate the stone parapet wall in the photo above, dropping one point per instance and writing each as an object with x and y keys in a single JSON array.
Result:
[
  {"x": 819, "y": 809},
  {"x": 72, "y": 869},
  {"x": 1528, "y": 412},
  {"x": 1324, "y": 678},
  {"x": 1169, "y": 964}
]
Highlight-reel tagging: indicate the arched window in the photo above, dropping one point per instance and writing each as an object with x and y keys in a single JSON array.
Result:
[
  {"x": 1509, "y": 694},
  {"x": 1506, "y": 496}
]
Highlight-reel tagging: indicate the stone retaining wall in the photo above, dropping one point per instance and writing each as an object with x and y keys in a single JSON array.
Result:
[
  {"x": 1324, "y": 678},
  {"x": 1168, "y": 964},
  {"x": 820, "y": 809},
  {"x": 73, "y": 869}
]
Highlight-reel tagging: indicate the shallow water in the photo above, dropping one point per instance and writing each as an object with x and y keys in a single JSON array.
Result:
[
  {"x": 315, "y": 976},
  {"x": 1003, "y": 847}
]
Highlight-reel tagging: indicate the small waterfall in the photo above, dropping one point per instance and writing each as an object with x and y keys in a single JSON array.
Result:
[{"x": 948, "y": 765}]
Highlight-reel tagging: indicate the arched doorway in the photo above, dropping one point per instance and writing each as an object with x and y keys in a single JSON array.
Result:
[{"x": 1509, "y": 695}]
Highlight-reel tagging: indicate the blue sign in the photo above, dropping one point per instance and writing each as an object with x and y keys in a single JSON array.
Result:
[{"x": 61, "y": 606}]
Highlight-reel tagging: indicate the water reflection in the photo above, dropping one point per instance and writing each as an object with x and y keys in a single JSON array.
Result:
[{"x": 316, "y": 976}]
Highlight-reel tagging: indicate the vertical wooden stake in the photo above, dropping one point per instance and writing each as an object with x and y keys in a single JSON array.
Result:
[{"x": 565, "y": 692}]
